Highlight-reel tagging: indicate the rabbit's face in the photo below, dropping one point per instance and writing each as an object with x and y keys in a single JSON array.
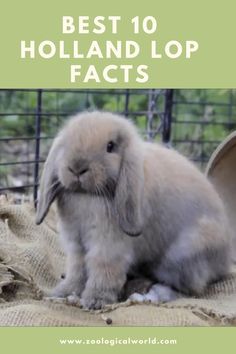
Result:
[
  {"x": 99, "y": 154},
  {"x": 92, "y": 156}
]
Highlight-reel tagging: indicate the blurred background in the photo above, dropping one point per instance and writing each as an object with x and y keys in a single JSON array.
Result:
[{"x": 192, "y": 121}]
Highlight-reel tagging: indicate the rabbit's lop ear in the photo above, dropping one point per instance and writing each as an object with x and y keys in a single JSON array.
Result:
[
  {"x": 49, "y": 185},
  {"x": 128, "y": 196}
]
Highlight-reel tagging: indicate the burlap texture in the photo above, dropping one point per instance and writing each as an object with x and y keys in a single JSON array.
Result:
[{"x": 31, "y": 262}]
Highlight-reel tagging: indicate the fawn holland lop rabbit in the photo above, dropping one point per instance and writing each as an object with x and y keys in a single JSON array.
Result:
[{"x": 130, "y": 207}]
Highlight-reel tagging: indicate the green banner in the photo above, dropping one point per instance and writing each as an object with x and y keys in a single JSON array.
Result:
[
  {"x": 117, "y": 340},
  {"x": 117, "y": 44}
]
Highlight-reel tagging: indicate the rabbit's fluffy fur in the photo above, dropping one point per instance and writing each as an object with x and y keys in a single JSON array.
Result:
[{"x": 126, "y": 207}]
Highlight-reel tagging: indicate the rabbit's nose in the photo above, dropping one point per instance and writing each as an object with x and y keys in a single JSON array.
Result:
[
  {"x": 78, "y": 171},
  {"x": 80, "y": 166},
  {"x": 82, "y": 174},
  {"x": 83, "y": 171}
]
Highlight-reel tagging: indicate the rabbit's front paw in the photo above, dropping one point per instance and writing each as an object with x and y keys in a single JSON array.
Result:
[
  {"x": 66, "y": 288},
  {"x": 94, "y": 300}
]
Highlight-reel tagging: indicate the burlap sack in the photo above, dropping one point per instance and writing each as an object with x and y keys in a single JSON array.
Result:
[{"x": 31, "y": 262}]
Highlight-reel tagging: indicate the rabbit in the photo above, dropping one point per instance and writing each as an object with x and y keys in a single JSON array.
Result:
[{"x": 127, "y": 206}]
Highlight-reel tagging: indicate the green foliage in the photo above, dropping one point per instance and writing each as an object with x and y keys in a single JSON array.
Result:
[
  {"x": 206, "y": 115},
  {"x": 201, "y": 119}
]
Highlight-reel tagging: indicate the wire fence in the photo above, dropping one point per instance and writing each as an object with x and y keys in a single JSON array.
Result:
[{"x": 192, "y": 121}]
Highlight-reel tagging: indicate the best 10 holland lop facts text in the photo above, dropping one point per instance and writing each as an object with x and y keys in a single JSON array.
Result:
[{"x": 103, "y": 49}]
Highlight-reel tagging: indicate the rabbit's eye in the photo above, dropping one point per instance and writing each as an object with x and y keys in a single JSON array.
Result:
[{"x": 110, "y": 146}]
